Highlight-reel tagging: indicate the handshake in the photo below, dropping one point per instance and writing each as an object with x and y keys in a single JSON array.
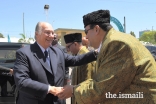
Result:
[{"x": 62, "y": 92}]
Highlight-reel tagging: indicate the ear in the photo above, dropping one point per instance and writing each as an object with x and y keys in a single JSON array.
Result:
[
  {"x": 97, "y": 28},
  {"x": 75, "y": 43},
  {"x": 36, "y": 33}
]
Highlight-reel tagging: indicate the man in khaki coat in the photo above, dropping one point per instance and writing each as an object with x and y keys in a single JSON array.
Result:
[
  {"x": 125, "y": 70},
  {"x": 80, "y": 73}
]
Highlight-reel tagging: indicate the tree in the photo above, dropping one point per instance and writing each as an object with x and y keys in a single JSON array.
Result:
[
  {"x": 155, "y": 36},
  {"x": 24, "y": 39},
  {"x": 149, "y": 36},
  {"x": 1, "y": 35},
  {"x": 132, "y": 33}
]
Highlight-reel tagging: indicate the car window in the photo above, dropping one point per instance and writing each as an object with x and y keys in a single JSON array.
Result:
[{"x": 7, "y": 54}]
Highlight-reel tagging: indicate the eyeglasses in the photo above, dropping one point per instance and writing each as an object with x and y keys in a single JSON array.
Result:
[
  {"x": 69, "y": 45},
  {"x": 48, "y": 32},
  {"x": 86, "y": 31}
]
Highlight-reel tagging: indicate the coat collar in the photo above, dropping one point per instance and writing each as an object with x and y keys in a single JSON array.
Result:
[{"x": 40, "y": 56}]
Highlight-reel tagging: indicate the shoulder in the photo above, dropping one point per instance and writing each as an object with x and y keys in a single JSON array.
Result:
[
  {"x": 83, "y": 50},
  {"x": 56, "y": 50},
  {"x": 62, "y": 48},
  {"x": 24, "y": 49}
]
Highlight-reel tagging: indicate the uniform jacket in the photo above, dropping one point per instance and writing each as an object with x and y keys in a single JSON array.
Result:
[
  {"x": 33, "y": 75},
  {"x": 124, "y": 66},
  {"x": 83, "y": 72}
]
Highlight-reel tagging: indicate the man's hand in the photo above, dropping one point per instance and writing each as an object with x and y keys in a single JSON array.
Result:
[
  {"x": 11, "y": 71},
  {"x": 67, "y": 92},
  {"x": 55, "y": 90}
]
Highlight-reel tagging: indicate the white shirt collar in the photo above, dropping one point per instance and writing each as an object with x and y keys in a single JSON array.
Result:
[
  {"x": 100, "y": 47},
  {"x": 43, "y": 48}
]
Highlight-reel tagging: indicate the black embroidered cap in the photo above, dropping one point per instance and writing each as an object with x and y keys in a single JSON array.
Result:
[{"x": 73, "y": 37}]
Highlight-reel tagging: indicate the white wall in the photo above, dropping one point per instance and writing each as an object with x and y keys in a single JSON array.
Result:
[{"x": 13, "y": 39}]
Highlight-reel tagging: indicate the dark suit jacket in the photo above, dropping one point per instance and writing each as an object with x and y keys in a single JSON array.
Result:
[
  {"x": 33, "y": 75},
  {"x": 66, "y": 68},
  {"x": 61, "y": 47}
]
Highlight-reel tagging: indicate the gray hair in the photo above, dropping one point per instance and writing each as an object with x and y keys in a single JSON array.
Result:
[{"x": 38, "y": 27}]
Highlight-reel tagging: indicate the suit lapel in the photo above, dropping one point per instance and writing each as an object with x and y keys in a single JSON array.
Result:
[
  {"x": 53, "y": 60},
  {"x": 40, "y": 56}
]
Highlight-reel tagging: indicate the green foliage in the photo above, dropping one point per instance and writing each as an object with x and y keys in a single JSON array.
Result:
[
  {"x": 24, "y": 39},
  {"x": 155, "y": 36},
  {"x": 1, "y": 35},
  {"x": 149, "y": 36},
  {"x": 132, "y": 33}
]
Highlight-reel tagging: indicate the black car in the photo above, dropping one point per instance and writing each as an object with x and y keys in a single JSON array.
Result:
[
  {"x": 7, "y": 59},
  {"x": 152, "y": 49}
]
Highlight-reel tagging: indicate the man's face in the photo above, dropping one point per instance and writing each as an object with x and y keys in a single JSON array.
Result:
[
  {"x": 90, "y": 35},
  {"x": 55, "y": 41},
  {"x": 85, "y": 41},
  {"x": 71, "y": 47},
  {"x": 45, "y": 36}
]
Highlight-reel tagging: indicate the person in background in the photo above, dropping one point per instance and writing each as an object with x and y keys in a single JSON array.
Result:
[
  {"x": 4, "y": 77},
  {"x": 5, "y": 69},
  {"x": 125, "y": 70},
  {"x": 85, "y": 42},
  {"x": 79, "y": 73},
  {"x": 39, "y": 69},
  {"x": 56, "y": 44},
  {"x": 152, "y": 50}
]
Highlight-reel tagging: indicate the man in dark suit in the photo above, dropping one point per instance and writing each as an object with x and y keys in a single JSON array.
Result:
[{"x": 39, "y": 69}]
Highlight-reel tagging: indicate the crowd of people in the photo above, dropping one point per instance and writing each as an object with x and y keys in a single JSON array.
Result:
[{"x": 115, "y": 65}]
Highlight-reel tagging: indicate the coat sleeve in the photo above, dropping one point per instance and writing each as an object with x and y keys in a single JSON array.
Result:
[
  {"x": 5, "y": 69},
  {"x": 79, "y": 59},
  {"x": 114, "y": 72},
  {"x": 23, "y": 81}
]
